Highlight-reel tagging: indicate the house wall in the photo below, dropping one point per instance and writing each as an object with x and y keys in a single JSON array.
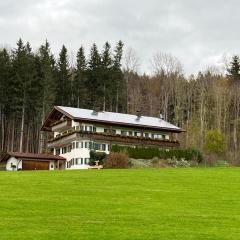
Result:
[
  {"x": 13, "y": 161},
  {"x": 84, "y": 153},
  {"x": 80, "y": 153}
]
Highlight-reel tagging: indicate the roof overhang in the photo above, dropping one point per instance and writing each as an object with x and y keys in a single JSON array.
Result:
[
  {"x": 30, "y": 156},
  {"x": 57, "y": 113}
]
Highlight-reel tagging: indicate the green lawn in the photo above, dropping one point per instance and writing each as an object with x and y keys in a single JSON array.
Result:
[{"x": 121, "y": 204}]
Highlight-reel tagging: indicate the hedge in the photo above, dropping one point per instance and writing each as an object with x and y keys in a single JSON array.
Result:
[{"x": 149, "y": 153}]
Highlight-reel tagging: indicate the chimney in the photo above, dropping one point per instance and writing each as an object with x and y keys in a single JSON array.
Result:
[
  {"x": 139, "y": 115},
  {"x": 94, "y": 112}
]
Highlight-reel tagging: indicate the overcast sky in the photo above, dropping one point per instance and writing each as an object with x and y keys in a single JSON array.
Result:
[{"x": 197, "y": 32}]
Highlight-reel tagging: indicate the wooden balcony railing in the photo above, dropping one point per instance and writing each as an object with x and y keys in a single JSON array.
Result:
[
  {"x": 61, "y": 125},
  {"x": 72, "y": 134}
]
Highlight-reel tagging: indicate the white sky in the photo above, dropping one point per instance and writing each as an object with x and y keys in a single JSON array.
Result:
[{"x": 198, "y": 33}]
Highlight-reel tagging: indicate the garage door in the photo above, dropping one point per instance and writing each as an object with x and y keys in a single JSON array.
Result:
[{"x": 35, "y": 165}]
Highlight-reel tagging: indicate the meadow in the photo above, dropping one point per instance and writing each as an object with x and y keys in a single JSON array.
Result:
[{"x": 147, "y": 204}]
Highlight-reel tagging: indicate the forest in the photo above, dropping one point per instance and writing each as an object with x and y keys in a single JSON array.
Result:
[{"x": 206, "y": 105}]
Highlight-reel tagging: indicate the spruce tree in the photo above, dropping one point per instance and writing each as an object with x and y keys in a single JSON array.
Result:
[
  {"x": 118, "y": 79},
  {"x": 63, "y": 79},
  {"x": 106, "y": 72},
  {"x": 5, "y": 73},
  {"x": 94, "y": 84},
  {"x": 79, "y": 87},
  {"x": 234, "y": 70},
  {"x": 23, "y": 84},
  {"x": 47, "y": 85}
]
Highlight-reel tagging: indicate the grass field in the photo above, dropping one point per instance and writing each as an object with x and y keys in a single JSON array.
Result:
[{"x": 121, "y": 204}]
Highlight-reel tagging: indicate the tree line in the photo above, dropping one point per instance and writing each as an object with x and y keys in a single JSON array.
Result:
[{"x": 31, "y": 83}]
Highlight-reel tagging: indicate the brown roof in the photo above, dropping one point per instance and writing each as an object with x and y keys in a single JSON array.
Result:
[{"x": 42, "y": 156}]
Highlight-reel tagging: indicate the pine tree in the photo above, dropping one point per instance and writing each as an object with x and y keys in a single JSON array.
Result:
[
  {"x": 234, "y": 70},
  {"x": 5, "y": 71},
  {"x": 94, "y": 84},
  {"x": 47, "y": 85},
  {"x": 23, "y": 87},
  {"x": 5, "y": 101},
  {"x": 119, "y": 82},
  {"x": 106, "y": 72},
  {"x": 79, "y": 87},
  {"x": 63, "y": 79}
]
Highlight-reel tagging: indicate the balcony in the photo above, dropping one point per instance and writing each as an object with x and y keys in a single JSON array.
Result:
[
  {"x": 72, "y": 134},
  {"x": 61, "y": 125}
]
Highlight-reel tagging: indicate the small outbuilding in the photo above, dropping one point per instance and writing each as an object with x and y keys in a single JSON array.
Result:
[{"x": 14, "y": 161}]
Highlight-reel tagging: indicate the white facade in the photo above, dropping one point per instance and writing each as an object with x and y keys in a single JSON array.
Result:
[{"x": 77, "y": 152}]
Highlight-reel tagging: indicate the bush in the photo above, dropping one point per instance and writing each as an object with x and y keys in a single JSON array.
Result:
[
  {"x": 117, "y": 160},
  {"x": 97, "y": 156},
  {"x": 150, "y": 153},
  {"x": 179, "y": 163}
]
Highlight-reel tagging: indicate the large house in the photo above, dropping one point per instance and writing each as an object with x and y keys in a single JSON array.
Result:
[{"x": 75, "y": 132}]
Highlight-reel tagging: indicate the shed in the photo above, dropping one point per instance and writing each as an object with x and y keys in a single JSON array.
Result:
[{"x": 13, "y": 161}]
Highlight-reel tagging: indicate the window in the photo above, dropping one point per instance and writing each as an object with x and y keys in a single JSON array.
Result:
[
  {"x": 64, "y": 150},
  {"x": 105, "y": 130},
  {"x": 124, "y": 133},
  {"x": 77, "y": 144},
  {"x": 159, "y": 136},
  {"x": 73, "y": 145},
  {"x": 114, "y": 131},
  {"x": 86, "y": 144},
  {"x": 86, "y": 128},
  {"x": 90, "y": 128},
  {"x": 130, "y": 133},
  {"x": 152, "y": 135},
  {"x": 57, "y": 151},
  {"x": 82, "y": 161},
  {"x": 90, "y": 145},
  {"x": 82, "y": 127},
  {"x": 69, "y": 148},
  {"x": 81, "y": 144},
  {"x": 96, "y": 146},
  {"x": 104, "y": 147},
  {"x": 146, "y": 135},
  {"x": 94, "y": 129},
  {"x": 72, "y": 161},
  {"x": 77, "y": 161},
  {"x": 86, "y": 161}
]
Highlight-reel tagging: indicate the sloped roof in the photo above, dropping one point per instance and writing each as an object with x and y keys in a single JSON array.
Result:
[
  {"x": 116, "y": 118},
  {"x": 36, "y": 156}
]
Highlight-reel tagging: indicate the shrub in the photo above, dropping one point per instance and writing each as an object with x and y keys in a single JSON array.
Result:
[
  {"x": 214, "y": 142},
  {"x": 97, "y": 156},
  {"x": 178, "y": 163},
  {"x": 117, "y": 160}
]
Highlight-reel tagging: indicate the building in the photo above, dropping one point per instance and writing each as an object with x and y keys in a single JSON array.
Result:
[
  {"x": 13, "y": 161},
  {"x": 75, "y": 132}
]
